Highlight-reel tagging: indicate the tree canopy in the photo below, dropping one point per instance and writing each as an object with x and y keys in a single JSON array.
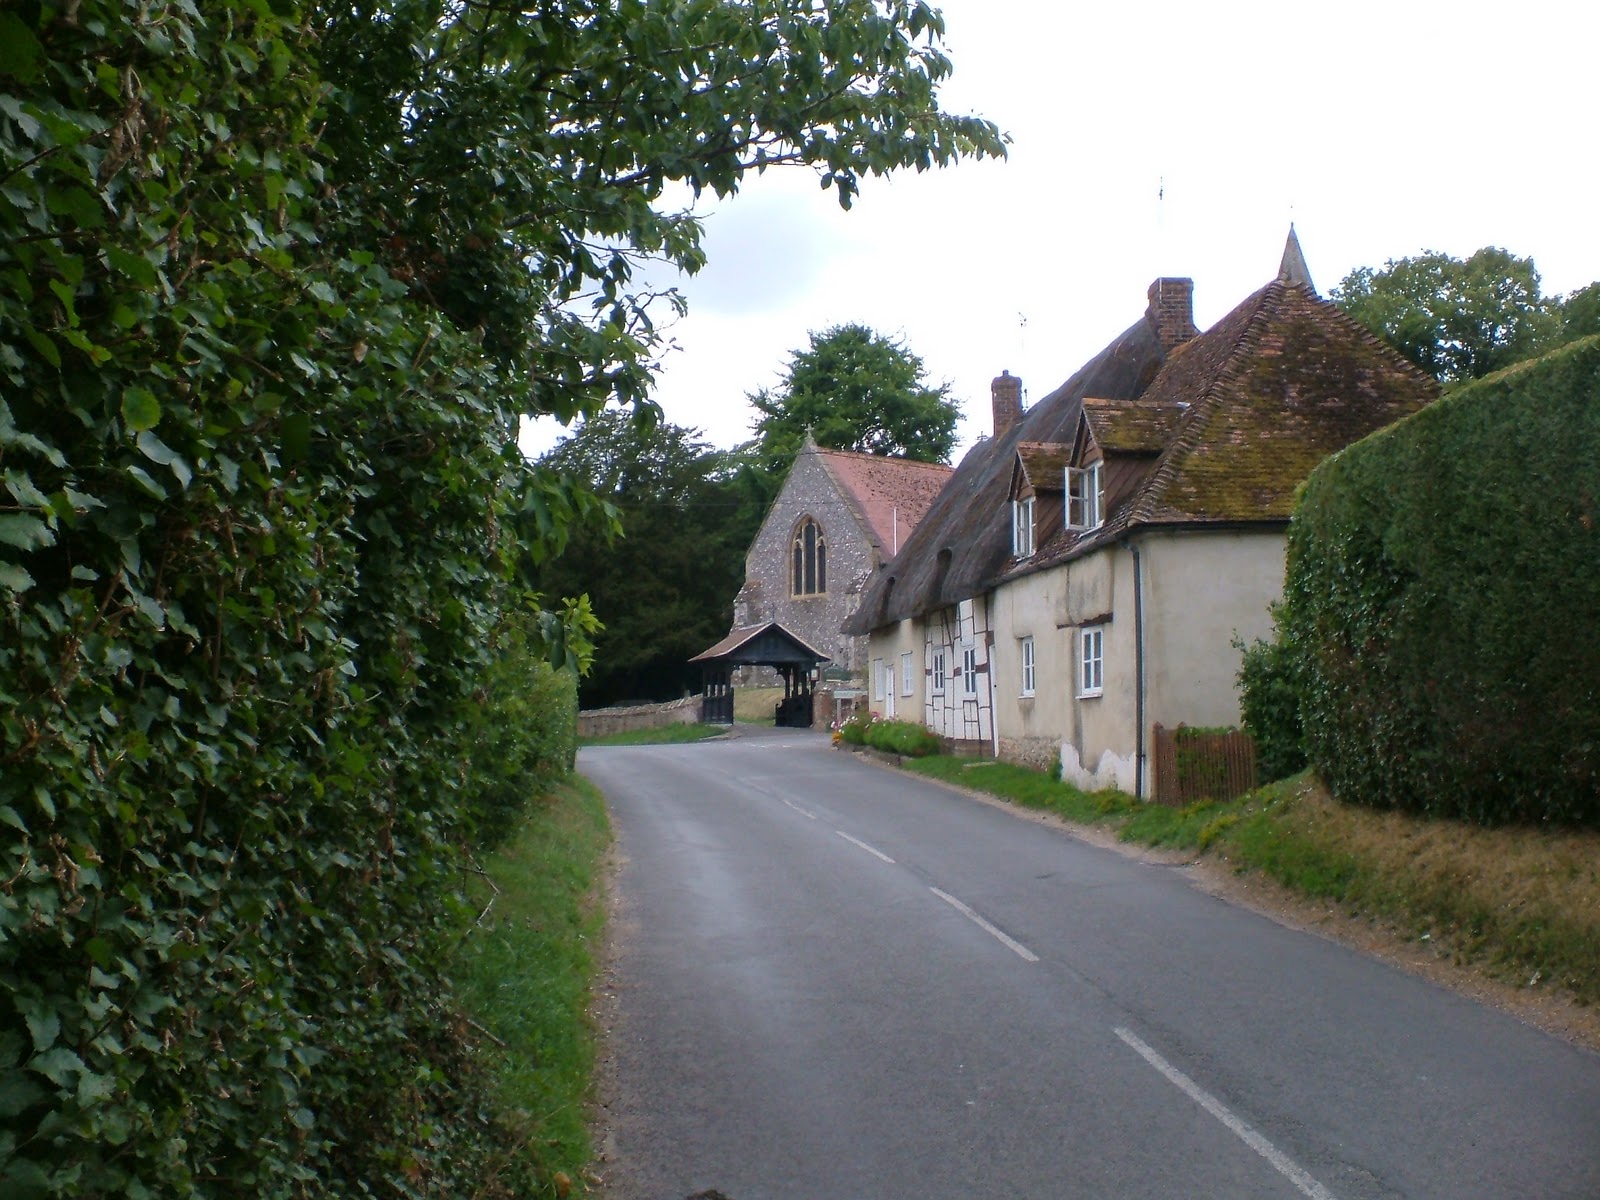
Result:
[
  {"x": 662, "y": 581},
  {"x": 277, "y": 282},
  {"x": 855, "y": 389},
  {"x": 1456, "y": 319}
]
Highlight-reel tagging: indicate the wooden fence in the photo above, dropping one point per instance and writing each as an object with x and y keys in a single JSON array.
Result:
[{"x": 1202, "y": 764}]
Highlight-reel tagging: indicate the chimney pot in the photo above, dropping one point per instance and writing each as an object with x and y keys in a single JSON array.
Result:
[
  {"x": 1171, "y": 311},
  {"x": 1006, "y": 394}
]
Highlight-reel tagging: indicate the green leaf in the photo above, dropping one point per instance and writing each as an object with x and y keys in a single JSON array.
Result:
[
  {"x": 140, "y": 409},
  {"x": 25, "y": 531},
  {"x": 14, "y": 578},
  {"x": 17, "y": 1092},
  {"x": 77, "y": 203},
  {"x": 20, "y": 52},
  {"x": 59, "y": 1066},
  {"x": 45, "y": 1026},
  {"x": 135, "y": 266}
]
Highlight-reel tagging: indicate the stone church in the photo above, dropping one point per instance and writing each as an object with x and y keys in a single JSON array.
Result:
[{"x": 837, "y": 519}]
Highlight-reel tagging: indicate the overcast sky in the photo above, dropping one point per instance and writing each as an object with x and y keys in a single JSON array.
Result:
[{"x": 1155, "y": 139}]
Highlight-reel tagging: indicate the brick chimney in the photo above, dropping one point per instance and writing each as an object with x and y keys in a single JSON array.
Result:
[
  {"x": 1006, "y": 392},
  {"x": 1171, "y": 311}
]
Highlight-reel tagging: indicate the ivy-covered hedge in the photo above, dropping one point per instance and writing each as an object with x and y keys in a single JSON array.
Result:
[
  {"x": 254, "y": 619},
  {"x": 1443, "y": 597}
]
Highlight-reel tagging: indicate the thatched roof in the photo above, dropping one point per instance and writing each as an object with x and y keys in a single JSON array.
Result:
[
  {"x": 1221, "y": 430},
  {"x": 963, "y": 544}
]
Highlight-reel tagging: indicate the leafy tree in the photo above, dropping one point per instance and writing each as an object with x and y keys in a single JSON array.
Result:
[
  {"x": 664, "y": 587},
  {"x": 1456, "y": 319},
  {"x": 855, "y": 390},
  {"x": 277, "y": 282},
  {"x": 1580, "y": 314}
]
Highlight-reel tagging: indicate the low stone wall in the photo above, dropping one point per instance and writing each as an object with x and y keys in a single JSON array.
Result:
[
  {"x": 1036, "y": 752},
  {"x": 601, "y": 722}
]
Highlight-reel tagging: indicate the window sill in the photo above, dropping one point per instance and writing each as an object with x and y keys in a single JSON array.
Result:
[{"x": 1095, "y": 695}]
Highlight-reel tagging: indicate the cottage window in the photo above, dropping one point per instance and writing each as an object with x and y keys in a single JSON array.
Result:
[
  {"x": 1086, "y": 497},
  {"x": 938, "y": 670},
  {"x": 810, "y": 573},
  {"x": 1026, "y": 647},
  {"x": 969, "y": 670},
  {"x": 905, "y": 674},
  {"x": 1022, "y": 528},
  {"x": 1091, "y": 661}
]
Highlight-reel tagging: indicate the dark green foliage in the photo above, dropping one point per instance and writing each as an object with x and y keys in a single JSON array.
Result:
[
  {"x": 902, "y": 737},
  {"x": 277, "y": 282},
  {"x": 1456, "y": 319},
  {"x": 1443, "y": 586},
  {"x": 663, "y": 589},
  {"x": 855, "y": 390},
  {"x": 523, "y": 734},
  {"x": 1269, "y": 703}
]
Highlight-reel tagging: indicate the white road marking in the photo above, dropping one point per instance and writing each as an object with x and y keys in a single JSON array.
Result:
[
  {"x": 864, "y": 846},
  {"x": 1021, "y": 950},
  {"x": 798, "y": 809},
  {"x": 1282, "y": 1162}
]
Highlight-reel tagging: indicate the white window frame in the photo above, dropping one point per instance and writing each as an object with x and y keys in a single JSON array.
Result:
[
  {"x": 1091, "y": 661},
  {"x": 1022, "y": 528},
  {"x": 938, "y": 669},
  {"x": 1025, "y": 650},
  {"x": 906, "y": 668},
  {"x": 969, "y": 670},
  {"x": 1086, "y": 496},
  {"x": 877, "y": 679}
]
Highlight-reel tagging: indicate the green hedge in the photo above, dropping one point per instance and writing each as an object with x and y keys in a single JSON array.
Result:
[
  {"x": 254, "y": 600},
  {"x": 1443, "y": 597}
]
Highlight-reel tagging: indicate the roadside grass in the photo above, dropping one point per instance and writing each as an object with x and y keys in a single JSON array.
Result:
[
  {"x": 524, "y": 973},
  {"x": 1521, "y": 903},
  {"x": 662, "y": 735}
]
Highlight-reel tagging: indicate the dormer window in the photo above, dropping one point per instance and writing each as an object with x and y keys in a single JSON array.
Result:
[
  {"x": 1086, "y": 497},
  {"x": 1022, "y": 528}
]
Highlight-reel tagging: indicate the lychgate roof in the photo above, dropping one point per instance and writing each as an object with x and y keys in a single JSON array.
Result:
[{"x": 768, "y": 645}]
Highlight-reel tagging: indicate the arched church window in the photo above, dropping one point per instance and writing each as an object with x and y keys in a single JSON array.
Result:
[{"x": 810, "y": 553}]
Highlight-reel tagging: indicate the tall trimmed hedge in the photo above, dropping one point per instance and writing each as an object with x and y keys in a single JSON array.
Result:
[{"x": 1443, "y": 603}]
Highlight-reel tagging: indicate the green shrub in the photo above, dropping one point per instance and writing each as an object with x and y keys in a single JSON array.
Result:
[
  {"x": 902, "y": 737},
  {"x": 523, "y": 730},
  {"x": 1269, "y": 703},
  {"x": 854, "y": 730},
  {"x": 1442, "y": 591}
]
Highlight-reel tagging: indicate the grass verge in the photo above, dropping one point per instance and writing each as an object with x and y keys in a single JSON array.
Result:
[
  {"x": 1523, "y": 904},
  {"x": 524, "y": 976},
  {"x": 660, "y": 736}
]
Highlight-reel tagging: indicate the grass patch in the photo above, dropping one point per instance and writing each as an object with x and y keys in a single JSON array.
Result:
[
  {"x": 756, "y": 706},
  {"x": 661, "y": 735},
  {"x": 524, "y": 976},
  {"x": 1029, "y": 788},
  {"x": 1523, "y": 903}
]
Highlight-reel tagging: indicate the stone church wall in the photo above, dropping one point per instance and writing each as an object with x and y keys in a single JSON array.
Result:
[{"x": 766, "y": 595}]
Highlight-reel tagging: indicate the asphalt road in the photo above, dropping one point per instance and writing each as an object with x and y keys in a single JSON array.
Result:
[{"x": 838, "y": 981}]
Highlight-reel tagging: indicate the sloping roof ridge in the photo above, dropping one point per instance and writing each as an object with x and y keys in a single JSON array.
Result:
[
  {"x": 893, "y": 460},
  {"x": 1192, "y": 424}
]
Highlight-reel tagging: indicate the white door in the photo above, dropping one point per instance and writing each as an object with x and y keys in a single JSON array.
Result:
[{"x": 887, "y": 667}]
